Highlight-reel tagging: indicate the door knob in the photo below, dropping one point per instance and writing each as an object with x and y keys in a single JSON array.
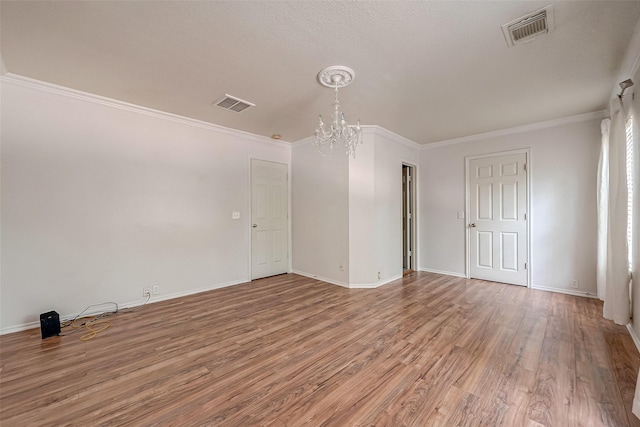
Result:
[
  {"x": 255, "y": 225},
  {"x": 472, "y": 225}
]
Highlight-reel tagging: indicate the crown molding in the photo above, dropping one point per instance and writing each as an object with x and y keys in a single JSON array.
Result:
[
  {"x": 375, "y": 129},
  {"x": 114, "y": 103},
  {"x": 369, "y": 129},
  {"x": 303, "y": 142},
  {"x": 519, "y": 129}
]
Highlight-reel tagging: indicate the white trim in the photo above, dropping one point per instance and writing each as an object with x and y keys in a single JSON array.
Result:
[
  {"x": 322, "y": 279},
  {"x": 519, "y": 129},
  {"x": 370, "y": 129},
  {"x": 32, "y": 325},
  {"x": 303, "y": 142},
  {"x": 416, "y": 215},
  {"x": 375, "y": 129},
  {"x": 467, "y": 196},
  {"x": 564, "y": 291},
  {"x": 636, "y": 398},
  {"x": 465, "y": 223},
  {"x": 97, "y": 99},
  {"x": 374, "y": 285},
  {"x": 500, "y": 153},
  {"x": 347, "y": 285},
  {"x": 392, "y": 279},
  {"x": 364, "y": 285},
  {"x": 446, "y": 273},
  {"x": 634, "y": 337}
]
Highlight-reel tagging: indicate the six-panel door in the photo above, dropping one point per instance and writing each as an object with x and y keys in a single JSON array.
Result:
[
  {"x": 497, "y": 219},
  {"x": 269, "y": 210}
]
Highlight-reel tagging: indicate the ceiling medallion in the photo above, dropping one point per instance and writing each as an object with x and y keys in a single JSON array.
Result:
[{"x": 339, "y": 133}]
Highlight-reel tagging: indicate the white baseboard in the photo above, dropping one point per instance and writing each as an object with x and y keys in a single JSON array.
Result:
[
  {"x": 32, "y": 325},
  {"x": 565, "y": 291},
  {"x": 348, "y": 285},
  {"x": 446, "y": 273},
  {"x": 323, "y": 279},
  {"x": 634, "y": 336},
  {"x": 374, "y": 285}
]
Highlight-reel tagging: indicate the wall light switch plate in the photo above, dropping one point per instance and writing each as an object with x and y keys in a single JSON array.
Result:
[
  {"x": 235, "y": 215},
  {"x": 460, "y": 214}
]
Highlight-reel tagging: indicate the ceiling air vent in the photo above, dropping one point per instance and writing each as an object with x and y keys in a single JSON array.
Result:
[
  {"x": 232, "y": 103},
  {"x": 528, "y": 27}
]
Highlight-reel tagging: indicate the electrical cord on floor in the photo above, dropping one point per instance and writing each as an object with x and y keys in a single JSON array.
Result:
[
  {"x": 89, "y": 326},
  {"x": 102, "y": 313},
  {"x": 96, "y": 324},
  {"x": 138, "y": 307}
]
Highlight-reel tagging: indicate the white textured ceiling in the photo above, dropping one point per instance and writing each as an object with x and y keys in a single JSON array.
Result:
[{"x": 429, "y": 71}]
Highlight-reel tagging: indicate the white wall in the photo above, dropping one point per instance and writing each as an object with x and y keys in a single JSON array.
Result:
[
  {"x": 100, "y": 199},
  {"x": 363, "y": 270},
  {"x": 350, "y": 209},
  {"x": 391, "y": 152},
  {"x": 563, "y": 171},
  {"x": 320, "y": 219}
]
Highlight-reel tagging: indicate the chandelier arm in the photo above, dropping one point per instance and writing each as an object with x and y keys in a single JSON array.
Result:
[{"x": 326, "y": 134}]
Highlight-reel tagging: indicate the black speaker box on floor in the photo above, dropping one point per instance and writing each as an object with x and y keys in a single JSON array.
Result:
[{"x": 49, "y": 324}]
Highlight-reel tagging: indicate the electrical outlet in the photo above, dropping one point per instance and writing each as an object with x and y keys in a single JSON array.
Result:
[
  {"x": 574, "y": 284},
  {"x": 156, "y": 289},
  {"x": 341, "y": 267},
  {"x": 146, "y": 291},
  {"x": 379, "y": 276}
]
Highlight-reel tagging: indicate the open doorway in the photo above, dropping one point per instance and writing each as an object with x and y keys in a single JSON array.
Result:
[{"x": 408, "y": 219}]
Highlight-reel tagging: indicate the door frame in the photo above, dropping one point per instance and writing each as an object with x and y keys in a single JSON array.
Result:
[
  {"x": 467, "y": 160},
  {"x": 249, "y": 218},
  {"x": 414, "y": 218},
  {"x": 416, "y": 196}
]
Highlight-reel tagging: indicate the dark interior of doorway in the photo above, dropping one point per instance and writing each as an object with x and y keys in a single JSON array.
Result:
[{"x": 408, "y": 219}]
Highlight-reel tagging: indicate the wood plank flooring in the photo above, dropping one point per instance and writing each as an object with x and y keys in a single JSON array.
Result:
[{"x": 426, "y": 350}]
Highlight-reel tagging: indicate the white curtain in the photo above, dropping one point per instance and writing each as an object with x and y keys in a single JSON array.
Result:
[
  {"x": 603, "y": 209},
  {"x": 616, "y": 275}
]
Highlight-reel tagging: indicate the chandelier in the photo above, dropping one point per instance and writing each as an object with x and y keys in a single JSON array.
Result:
[{"x": 339, "y": 133}]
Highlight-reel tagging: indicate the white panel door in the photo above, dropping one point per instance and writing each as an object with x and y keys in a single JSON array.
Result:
[
  {"x": 497, "y": 218},
  {"x": 269, "y": 219}
]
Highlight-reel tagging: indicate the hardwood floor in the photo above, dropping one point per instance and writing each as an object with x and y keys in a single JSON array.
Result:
[{"x": 426, "y": 350}]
